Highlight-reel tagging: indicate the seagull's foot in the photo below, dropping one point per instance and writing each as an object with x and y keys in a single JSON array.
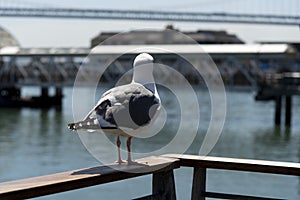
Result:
[
  {"x": 131, "y": 162},
  {"x": 120, "y": 162}
]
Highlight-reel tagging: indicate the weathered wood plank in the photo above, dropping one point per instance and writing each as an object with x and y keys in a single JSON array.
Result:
[
  {"x": 60, "y": 182},
  {"x": 273, "y": 167}
]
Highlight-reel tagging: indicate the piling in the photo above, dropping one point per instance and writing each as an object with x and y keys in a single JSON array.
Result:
[
  {"x": 44, "y": 92},
  {"x": 58, "y": 92},
  {"x": 288, "y": 110},
  {"x": 278, "y": 104},
  {"x": 276, "y": 87}
]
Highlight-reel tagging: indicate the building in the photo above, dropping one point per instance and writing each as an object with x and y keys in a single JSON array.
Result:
[{"x": 165, "y": 37}]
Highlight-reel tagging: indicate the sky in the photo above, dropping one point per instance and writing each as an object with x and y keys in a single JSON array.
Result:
[{"x": 42, "y": 32}]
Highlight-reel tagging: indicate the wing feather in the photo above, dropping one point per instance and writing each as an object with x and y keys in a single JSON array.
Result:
[{"x": 124, "y": 106}]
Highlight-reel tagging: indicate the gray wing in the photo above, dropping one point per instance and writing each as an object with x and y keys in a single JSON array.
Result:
[{"x": 129, "y": 106}]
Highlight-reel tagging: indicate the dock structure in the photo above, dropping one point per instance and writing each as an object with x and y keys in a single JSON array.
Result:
[
  {"x": 238, "y": 64},
  {"x": 162, "y": 170},
  {"x": 278, "y": 87},
  {"x": 59, "y": 66}
]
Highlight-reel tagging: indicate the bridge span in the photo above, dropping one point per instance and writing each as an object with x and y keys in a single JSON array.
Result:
[{"x": 148, "y": 15}]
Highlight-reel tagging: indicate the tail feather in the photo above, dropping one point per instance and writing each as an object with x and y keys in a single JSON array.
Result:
[
  {"x": 87, "y": 124},
  {"x": 71, "y": 126}
]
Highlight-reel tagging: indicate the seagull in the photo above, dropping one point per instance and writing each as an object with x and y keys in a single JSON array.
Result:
[{"x": 126, "y": 110}]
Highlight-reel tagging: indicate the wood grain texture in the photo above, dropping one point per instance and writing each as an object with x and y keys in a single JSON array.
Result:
[
  {"x": 160, "y": 166},
  {"x": 263, "y": 166},
  {"x": 163, "y": 184},
  {"x": 199, "y": 184},
  {"x": 75, "y": 179}
]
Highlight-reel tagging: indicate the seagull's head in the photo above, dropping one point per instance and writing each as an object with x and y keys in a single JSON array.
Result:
[
  {"x": 143, "y": 59},
  {"x": 143, "y": 69}
]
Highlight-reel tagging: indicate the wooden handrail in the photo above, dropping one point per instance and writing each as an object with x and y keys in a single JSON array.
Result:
[
  {"x": 163, "y": 186},
  {"x": 263, "y": 166},
  {"x": 65, "y": 181},
  {"x": 201, "y": 163}
]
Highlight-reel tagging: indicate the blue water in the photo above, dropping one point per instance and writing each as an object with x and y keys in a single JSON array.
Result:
[{"x": 36, "y": 142}]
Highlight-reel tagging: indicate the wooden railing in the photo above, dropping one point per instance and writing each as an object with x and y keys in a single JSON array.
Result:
[
  {"x": 202, "y": 163},
  {"x": 161, "y": 167}
]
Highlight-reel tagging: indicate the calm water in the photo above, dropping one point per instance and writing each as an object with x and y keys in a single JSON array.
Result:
[{"x": 36, "y": 142}]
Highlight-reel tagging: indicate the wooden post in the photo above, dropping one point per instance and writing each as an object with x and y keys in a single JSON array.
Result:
[
  {"x": 199, "y": 183},
  {"x": 288, "y": 110},
  {"x": 44, "y": 92},
  {"x": 163, "y": 185},
  {"x": 278, "y": 110},
  {"x": 58, "y": 92}
]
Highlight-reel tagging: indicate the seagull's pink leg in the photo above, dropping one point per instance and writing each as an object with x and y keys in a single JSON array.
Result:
[
  {"x": 129, "y": 161},
  {"x": 120, "y": 161},
  {"x": 129, "y": 149}
]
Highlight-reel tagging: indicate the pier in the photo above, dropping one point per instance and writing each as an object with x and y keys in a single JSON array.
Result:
[
  {"x": 277, "y": 87},
  {"x": 59, "y": 66},
  {"x": 239, "y": 64},
  {"x": 163, "y": 180}
]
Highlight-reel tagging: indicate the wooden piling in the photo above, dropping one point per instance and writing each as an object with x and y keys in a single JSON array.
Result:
[
  {"x": 44, "y": 92},
  {"x": 58, "y": 92},
  {"x": 278, "y": 104},
  {"x": 288, "y": 110}
]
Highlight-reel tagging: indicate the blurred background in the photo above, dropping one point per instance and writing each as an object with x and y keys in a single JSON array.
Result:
[{"x": 253, "y": 43}]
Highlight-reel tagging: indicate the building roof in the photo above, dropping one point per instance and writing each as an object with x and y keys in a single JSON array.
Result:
[
  {"x": 166, "y": 36},
  {"x": 240, "y": 49},
  {"x": 197, "y": 49}
]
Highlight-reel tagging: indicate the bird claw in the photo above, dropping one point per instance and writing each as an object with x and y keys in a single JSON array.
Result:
[
  {"x": 120, "y": 162},
  {"x": 131, "y": 162}
]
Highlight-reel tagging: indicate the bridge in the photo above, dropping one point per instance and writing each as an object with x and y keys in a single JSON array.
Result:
[
  {"x": 264, "y": 12},
  {"x": 150, "y": 15}
]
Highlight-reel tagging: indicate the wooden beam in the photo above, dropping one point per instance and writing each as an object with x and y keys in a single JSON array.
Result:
[
  {"x": 60, "y": 182},
  {"x": 199, "y": 183},
  {"x": 272, "y": 167},
  {"x": 163, "y": 184}
]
